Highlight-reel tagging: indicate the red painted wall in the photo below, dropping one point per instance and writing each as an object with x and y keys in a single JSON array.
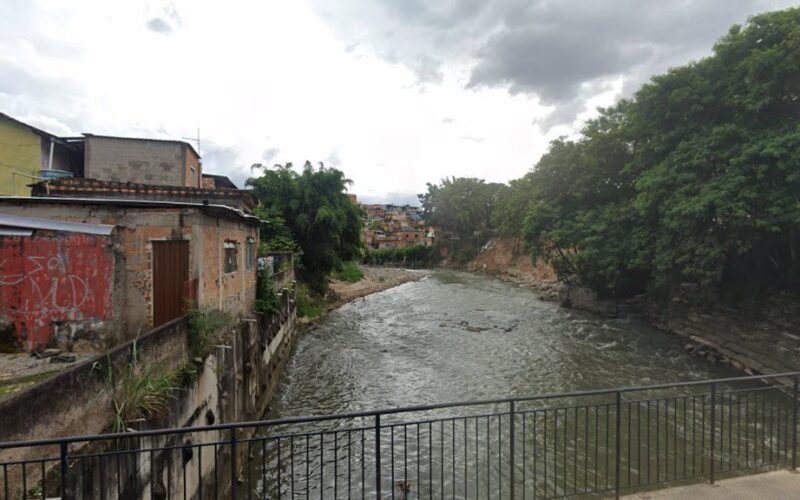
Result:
[{"x": 45, "y": 279}]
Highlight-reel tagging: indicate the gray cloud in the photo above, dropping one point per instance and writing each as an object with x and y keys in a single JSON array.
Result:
[
  {"x": 270, "y": 154},
  {"x": 225, "y": 160},
  {"x": 561, "y": 52},
  {"x": 55, "y": 104},
  {"x": 159, "y": 25},
  {"x": 166, "y": 23},
  {"x": 333, "y": 159},
  {"x": 448, "y": 119}
]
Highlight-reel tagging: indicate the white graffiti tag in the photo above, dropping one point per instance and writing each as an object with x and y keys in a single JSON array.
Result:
[{"x": 47, "y": 286}]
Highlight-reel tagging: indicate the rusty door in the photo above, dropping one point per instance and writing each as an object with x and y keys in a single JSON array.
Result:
[{"x": 170, "y": 273}]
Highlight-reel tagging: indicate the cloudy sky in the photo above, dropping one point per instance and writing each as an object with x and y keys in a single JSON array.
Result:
[{"x": 396, "y": 93}]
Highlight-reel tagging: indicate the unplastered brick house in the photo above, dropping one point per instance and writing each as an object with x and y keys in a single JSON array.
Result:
[
  {"x": 125, "y": 241},
  {"x": 92, "y": 272}
]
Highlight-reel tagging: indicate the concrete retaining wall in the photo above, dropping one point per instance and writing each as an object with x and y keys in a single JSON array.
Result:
[{"x": 233, "y": 384}]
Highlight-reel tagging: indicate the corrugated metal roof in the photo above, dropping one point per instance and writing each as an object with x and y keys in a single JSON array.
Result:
[
  {"x": 15, "y": 231},
  {"x": 18, "y": 221}
]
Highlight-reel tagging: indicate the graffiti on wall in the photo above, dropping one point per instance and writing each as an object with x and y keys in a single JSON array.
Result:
[{"x": 45, "y": 280}]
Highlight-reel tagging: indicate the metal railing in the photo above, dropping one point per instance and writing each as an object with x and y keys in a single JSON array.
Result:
[{"x": 592, "y": 443}]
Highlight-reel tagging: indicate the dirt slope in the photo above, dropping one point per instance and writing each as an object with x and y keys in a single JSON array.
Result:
[{"x": 507, "y": 259}]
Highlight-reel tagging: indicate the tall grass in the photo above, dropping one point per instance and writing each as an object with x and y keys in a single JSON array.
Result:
[{"x": 348, "y": 271}]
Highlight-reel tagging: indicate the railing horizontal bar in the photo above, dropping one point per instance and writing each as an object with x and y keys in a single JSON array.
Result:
[
  {"x": 387, "y": 411},
  {"x": 443, "y": 419}
]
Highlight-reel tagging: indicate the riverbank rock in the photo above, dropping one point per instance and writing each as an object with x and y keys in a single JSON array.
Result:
[{"x": 584, "y": 299}]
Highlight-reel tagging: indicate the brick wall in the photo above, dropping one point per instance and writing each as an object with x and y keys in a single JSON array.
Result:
[
  {"x": 131, "y": 303},
  {"x": 54, "y": 279},
  {"x": 193, "y": 174}
]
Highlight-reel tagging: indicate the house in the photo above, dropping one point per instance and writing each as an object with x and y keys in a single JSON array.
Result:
[
  {"x": 213, "y": 181},
  {"x": 77, "y": 187},
  {"x": 146, "y": 161},
  {"x": 392, "y": 226},
  {"x": 89, "y": 273},
  {"x": 412, "y": 236},
  {"x": 29, "y": 154}
]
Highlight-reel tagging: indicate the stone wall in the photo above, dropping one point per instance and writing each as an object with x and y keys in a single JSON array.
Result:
[
  {"x": 763, "y": 340},
  {"x": 759, "y": 339}
]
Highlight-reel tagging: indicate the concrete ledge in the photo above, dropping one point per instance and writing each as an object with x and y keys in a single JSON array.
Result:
[{"x": 777, "y": 485}]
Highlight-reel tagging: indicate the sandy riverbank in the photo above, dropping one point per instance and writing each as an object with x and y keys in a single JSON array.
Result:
[{"x": 376, "y": 279}]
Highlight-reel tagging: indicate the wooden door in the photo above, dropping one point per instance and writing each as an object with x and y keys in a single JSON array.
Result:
[{"x": 170, "y": 274}]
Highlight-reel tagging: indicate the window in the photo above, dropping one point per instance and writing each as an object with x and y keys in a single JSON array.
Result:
[
  {"x": 250, "y": 254},
  {"x": 231, "y": 257}
]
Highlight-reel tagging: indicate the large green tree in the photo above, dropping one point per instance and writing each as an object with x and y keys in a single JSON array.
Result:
[
  {"x": 694, "y": 180},
  {"x": 312, "y": 209},
  {"x": 461, "y": 206}
]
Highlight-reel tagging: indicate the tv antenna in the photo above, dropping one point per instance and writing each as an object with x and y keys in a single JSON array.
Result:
[{"x": 194, "y": 139}]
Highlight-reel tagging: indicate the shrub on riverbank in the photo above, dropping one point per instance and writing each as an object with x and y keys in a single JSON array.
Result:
[
  {"x": 309, "y": 304},
  {"x": 417, "y": 256},
  {"x": 348, "y": 271}
]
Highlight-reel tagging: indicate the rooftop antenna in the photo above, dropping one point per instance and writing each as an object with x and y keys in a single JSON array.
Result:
[{"x": 194, "y": 139}]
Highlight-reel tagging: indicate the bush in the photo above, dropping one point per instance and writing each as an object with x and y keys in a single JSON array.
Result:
[
  {"x": 309, "y": 304},
  {"x": 417, "y": 256},
  {"x": 206, "y": 328},
  {"x": 347, "y": 271},
  {"x": 266, "y": 296}
]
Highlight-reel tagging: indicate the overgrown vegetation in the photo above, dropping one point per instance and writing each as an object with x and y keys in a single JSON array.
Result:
[
  {"x": 417, "y": 256},
  {"x": 266, "y": 296},
  {"x": 692, "y": 182},
  {"x": 348, "y": 271},
  {"x": 309, "y": 303},
  {"x": 461, "y": 207},
  {"x": 308, "y": 212},
  {"x": 206, "y": 326},
  {"x": 139, "y": 391}
]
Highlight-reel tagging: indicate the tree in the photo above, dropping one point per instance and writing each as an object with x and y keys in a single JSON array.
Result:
[
  {"x": 694, "y": 180},
  {"x": 313, "y": 209},
  {"x": 461, "y": 206}
]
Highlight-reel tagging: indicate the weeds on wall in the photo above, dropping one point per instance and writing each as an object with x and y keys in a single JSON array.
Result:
[
  {"x": 139, "y": 391},
  {"x": 207, "y": 328}
]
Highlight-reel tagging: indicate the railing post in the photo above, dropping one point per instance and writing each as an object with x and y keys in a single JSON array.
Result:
[
  {"x": 713, "y": 439},
  {"x": 377, "y": 455},
  {"x": 511, "y": 437},
  {"x": 233, "y": 463},
  {"x": 617, "y": 445},
  {"x": 63, "y": 467},
  {"x": 794, "y": 424}
]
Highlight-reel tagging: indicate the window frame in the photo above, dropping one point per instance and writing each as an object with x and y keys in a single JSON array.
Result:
[
  {"x": 230, "y": 245},
  {"x": 250, "y": 254}
]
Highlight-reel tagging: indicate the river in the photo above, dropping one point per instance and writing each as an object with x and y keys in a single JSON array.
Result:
[
  {"x": 457, "y": 336},
  {"x": 454, "y": 336}
]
